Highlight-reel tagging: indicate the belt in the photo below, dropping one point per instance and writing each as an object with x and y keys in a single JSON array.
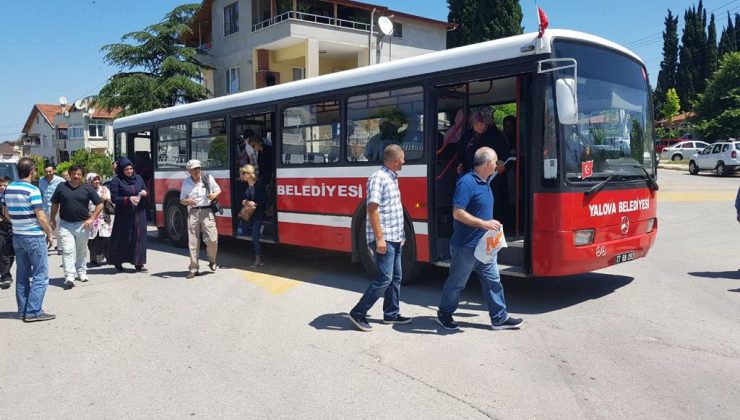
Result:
[{"x": 201, "y": 207}]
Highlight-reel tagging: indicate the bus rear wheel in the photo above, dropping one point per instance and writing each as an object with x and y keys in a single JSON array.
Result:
[
  {"x": 176, "y": 223},
  {"x": 410, "y": 268}
]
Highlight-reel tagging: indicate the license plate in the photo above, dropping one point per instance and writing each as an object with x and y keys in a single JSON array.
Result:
[{"x": 627, "y": 256}]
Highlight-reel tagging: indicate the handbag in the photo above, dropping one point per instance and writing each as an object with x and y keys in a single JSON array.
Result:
[
  {"x": 247, "y": 211},
  {"x": 109, "y": 208}
]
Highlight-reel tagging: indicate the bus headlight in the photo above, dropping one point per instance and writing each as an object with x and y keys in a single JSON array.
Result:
[
  {"x": 650, "y": 225},
  {"x": 583, "y": 237}
]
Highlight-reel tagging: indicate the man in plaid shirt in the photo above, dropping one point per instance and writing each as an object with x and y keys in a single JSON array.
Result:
[{"x": 385, "y": 237}]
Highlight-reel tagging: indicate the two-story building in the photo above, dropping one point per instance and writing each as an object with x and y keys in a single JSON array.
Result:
[
  {"x": 82, "y": 127},
  {"x": 40, "y": 131},
  {"x": 249, "y": 44},
  {"x": 56, "y": 131}
]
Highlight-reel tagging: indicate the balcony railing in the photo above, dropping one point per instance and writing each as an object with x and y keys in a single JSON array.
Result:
[{"x": 307, "y": 17}]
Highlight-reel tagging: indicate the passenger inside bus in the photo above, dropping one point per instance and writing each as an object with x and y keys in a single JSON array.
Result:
[
  {"x": 387, "y": 134},
  {"x": 245, "y": 151}
]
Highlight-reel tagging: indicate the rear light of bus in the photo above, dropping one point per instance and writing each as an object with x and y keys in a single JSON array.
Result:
[
  {"x": 583, "y": 237},
  {"x": 650, "y": 225}
]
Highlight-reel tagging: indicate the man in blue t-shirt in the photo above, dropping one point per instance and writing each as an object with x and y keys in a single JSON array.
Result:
[
  {"x": 473, "y": 216},
  {"x": 31, "y": 238}
]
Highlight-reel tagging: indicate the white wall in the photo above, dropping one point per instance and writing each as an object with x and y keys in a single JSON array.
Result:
[{"x": 47, "y": 147}]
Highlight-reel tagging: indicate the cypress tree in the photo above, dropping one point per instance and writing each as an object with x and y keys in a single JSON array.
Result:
[
  {"x": 690, "y": 77},
  {"x": 711, "y": 53},
  {"x": 727, "y": 39},
  {"x": 483, "y": 20},
  {"x": 668, "y": 67},
  {"x": 737, "y": 32}
]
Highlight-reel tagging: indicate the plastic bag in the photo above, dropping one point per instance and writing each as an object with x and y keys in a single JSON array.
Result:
[{"x": 489, "y": 245}]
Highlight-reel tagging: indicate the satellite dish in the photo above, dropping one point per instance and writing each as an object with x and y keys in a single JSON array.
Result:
[
  {"x": 80, "y": 104},
  {"x": 385, "y": 25},
  {"x": 63, "y": 100},
  {"x": 91, "y": 110}
]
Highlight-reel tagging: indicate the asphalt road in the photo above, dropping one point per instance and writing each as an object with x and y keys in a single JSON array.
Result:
[{"x": 653, "y": 338}]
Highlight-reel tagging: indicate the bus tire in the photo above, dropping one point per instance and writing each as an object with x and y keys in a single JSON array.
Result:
[
  {"x": 409, "y": 266},
  {"x": 176, "y": 223}
]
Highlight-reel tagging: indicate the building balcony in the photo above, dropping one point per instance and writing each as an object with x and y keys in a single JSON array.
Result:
[
  {"x": 31, "y": 141},
  {"x": 307, "y": 17}
]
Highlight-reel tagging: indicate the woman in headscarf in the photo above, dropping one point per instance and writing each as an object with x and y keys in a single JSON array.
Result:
[
  {"x": 99, "y": 243},
  {"x": 129, "y": 194}
]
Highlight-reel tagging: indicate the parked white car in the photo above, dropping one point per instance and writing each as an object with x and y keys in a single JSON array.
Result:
[
  {"x": 722, "y": 156},
  {"x": 683, "y": 150}
]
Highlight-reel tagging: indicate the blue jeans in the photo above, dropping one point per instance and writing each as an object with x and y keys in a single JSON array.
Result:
[
  {"x": 254, "y": 228},
  {"x": 32, "y": 273},
  {"x": 462, "y": 265},
  {"x": 387, "y": 283}
]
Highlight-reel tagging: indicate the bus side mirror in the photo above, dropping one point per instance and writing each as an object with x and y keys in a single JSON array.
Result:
[{"x": 567, "y": 100}]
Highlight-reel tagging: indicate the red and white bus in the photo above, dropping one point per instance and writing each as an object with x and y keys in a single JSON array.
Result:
[{"x": 580, "y": 189}]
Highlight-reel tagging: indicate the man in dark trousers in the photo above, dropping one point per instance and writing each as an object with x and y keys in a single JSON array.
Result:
[
  {"x": 7, "y": 255},
  {"x": 71, "y": 200},
  {"x": 385, "y": 236},
  {"x": 473, "y": 207}
]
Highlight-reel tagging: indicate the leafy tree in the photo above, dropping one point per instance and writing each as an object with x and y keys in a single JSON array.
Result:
[
  {"x": 502, "y": 111},
  {"x": 667, "y": 74},
  {"x": 157, "y": 69},
  {"x": 671, "y": 106},
  {"x": 483, "y": 20},
  {"x": 218, "y": 151},
  {"x": 90, "y": 162},
  {"x": 718, "y": 108}
]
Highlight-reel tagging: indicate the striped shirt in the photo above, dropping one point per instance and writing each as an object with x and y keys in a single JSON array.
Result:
[
  {"x": 382, "y": 189},
  {"x": 22, "y": 199}
]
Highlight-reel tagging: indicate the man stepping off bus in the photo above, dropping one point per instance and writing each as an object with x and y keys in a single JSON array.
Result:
[
  {"x": 199, "y": 197},
  {"x": 385, "y": 236},
  {"x": 473, "y": 211}
]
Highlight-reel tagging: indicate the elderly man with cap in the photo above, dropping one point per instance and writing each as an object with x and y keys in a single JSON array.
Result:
[{"x": 198, "y": 192}]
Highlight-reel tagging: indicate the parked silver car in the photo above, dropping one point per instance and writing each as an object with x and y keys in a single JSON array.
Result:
[
  {"x": 722, "y": 156},
  {"x": 683, "y": 150}
]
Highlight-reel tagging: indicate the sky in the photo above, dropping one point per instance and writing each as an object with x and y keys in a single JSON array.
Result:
[{"x": 51, "y": 48}]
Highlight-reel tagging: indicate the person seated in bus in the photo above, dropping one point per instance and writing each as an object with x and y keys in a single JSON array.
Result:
[
  {"x": 255, "y": 195},
  {"x": 387, "y": 134}
]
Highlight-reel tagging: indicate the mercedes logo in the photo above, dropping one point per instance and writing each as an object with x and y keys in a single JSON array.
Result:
[{"x": 625, "y": 225}]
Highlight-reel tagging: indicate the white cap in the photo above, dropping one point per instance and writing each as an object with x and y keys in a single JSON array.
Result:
[{"x": 193, "y": 163}]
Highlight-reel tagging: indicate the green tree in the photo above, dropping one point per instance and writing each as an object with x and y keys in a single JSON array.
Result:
[
  {"x": 90, "y": 162},
  {"x": 667, "y": 73},
  {"x": 157, "y": 69},
  {"x": 690, "y": 75},
  {"x": 727, "y": 42},
  {"x": 718, "y": 108},
  {"x": 671, "y": 105},
  {"x": 710, "y": 62},
  {"x": 218, "y": 150},
  {"x": 483, "y": 20}
]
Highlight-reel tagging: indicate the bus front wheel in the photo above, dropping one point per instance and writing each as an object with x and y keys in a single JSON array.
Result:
[
  {"x": 409, "y": 266},
  {"x": 176, "y": 223}
]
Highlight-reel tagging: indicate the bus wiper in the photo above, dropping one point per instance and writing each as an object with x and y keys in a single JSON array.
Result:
[
  {"x": 600, "y": 186},
  {"x": 648, "y": 179}
]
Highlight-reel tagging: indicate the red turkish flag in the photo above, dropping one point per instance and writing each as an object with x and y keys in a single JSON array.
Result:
[
  {"x": 587, "y": 169},
  {"x": 543, "y": 21}
]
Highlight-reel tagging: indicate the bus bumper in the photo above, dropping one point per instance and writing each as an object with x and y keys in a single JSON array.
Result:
[{"x": 554, "y": 253}]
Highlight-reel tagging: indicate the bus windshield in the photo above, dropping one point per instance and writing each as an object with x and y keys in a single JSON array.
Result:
[{"x": 612, "y": 133}]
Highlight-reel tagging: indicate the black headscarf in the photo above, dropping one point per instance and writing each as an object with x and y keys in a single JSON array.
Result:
[{"x": 122, "y": 164}]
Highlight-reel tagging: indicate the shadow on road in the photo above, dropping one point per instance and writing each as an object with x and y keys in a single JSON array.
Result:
[
  {"x": 731, "y": 275},
  {"x": 333, "y": 269},
  {"x": 9, "y": 315}
]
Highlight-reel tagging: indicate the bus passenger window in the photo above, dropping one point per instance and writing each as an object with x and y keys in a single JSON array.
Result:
[
  {"x": 172, "y": 146},
  {"x": 208, "y": 143},
  {"x": 382, "y": 118},
  {"x": 311, "y": 134}
]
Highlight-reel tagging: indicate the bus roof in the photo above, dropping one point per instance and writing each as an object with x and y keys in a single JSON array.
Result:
[{"x": 470, "y": 55}]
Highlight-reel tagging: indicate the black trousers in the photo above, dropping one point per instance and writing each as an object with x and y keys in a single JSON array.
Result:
[{"x": 5, "y": 264}]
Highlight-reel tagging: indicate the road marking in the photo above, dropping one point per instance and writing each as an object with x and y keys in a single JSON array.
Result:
[
  {"x": 275, "y": 285},
  {"x": 696, "y": 196}
]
